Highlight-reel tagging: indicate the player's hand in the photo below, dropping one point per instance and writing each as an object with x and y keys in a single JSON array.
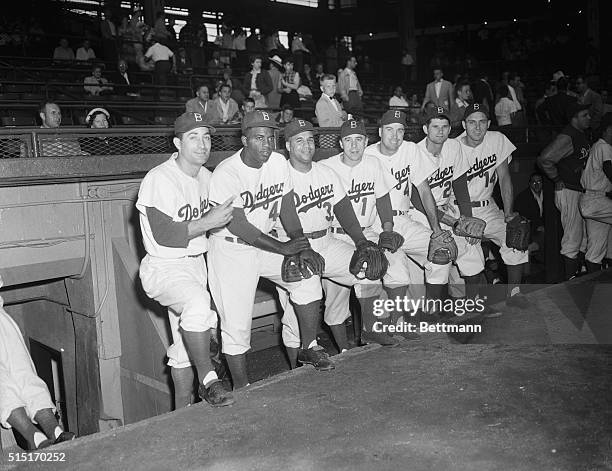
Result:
[
  {"x": 313, "y": 261},
  {"x": 219, "y": 216},
  {"x": 293, "y": 246},
  {"x": 559, "y": 185}
]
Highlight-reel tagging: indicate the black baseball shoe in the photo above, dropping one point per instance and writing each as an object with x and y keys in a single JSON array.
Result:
[
  {"x": 216, "y": 394},
  {"x": 64, "y": 437},
  {"x": 317, "y": 357}
]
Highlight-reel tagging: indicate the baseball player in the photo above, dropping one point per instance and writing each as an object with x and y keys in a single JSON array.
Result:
[
  {"x": 450, "y": 180},
  {"x": 319, "y": 199},
  {"x": 368, "y": 187},
  {"x": 596, "y": 202},
  {"x": 563, "y": 161},
  {"x": 24, "y": 397},
  {"x": 488, "y": 154},
  {"x": 242, "y": 252},
  {"x": 410, "y": 167},
  {"x": 174, "y": 219}
]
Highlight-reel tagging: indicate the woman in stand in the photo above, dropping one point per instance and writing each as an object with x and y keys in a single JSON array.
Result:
[
  {"x": 257, "y": 83},
  {"x": 289, "y": 84}
]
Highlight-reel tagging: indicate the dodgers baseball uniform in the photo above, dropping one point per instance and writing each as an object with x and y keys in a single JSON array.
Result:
[
  {"x": 176, "y": 277},
  {"x": 234, "y": 265},
  {"x": 364, "y": 184},
  {"x": 595, "y": 206},
  {"x": 316, "y": 194},
  {"x": 483, "y": 161}
]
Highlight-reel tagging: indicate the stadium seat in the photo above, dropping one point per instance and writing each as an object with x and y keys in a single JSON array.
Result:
[
  {"x": 164, "y": 120},
  {"x": 32, "y": 96},
  {"x": 9, "y": 96},
  {"x": 17, "y": 121}
]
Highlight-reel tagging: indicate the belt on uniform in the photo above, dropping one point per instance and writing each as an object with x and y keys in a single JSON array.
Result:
[
  {"x": 308, "y": 235},
  {"x": 478, "y": 204},
  {"x": 400, "y": 212},
  {"x": 339, "y": 230},
  {"x": 236, "y": 240}
]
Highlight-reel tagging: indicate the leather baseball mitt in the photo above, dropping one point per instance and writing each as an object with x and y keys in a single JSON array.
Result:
[
  {"x": 368, "y": 261},
  {"x": 471, "y": 228},
  {"x": 302, "y": 266},
  {"x": 390, "y": 241},
  {"x": 518, "y": 232},
  {"x": 442, "y": 248}
]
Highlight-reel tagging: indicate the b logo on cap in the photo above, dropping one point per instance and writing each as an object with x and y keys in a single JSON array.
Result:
[
  {"x": 265, "y": 116},
  {"x": 440, "y": 110},
  {"x": 197, "y": 117},
  {"x": 476, "y": 106},
  {"x": 353, "y": 124},
  {"x": 398, "y": 114},
  {"x": 301, "y": 123}
]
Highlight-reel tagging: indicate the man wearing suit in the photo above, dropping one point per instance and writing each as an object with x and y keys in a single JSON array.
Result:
[
  {"x": 438, "y": 92},
  {"x": 201, "y": 102},
  {"x": 530, "y": 204},
  {"x": 121, "y": 79},
  {"x": 223, "y": 109},
  {"x": 329, "y": 110}
]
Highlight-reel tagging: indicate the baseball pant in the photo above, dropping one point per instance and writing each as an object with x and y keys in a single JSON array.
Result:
[
  {"x": 573, "y": 240},
  {"x": 597, "y": 212},
  {"x": 337, "y": 296},
  {"x": 234, "y": 271},
  {"x": 180, "y": 285},
  {"x": 20, "y": 386},
  {"x": 337, "y": 254}
]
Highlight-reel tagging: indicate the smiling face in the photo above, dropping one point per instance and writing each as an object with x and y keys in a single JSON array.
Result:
[
  {"x": 329, "y": 87},
  {"x": 353, "y": 147},
  {"x": 258, "y": 145},
  {"x": 391, "y": 137},
  {"x": 301, "y": 148},
  {"x": 194, "y": 146},
  {"x": 100, "y": 121},
  {"x": 287, "y": 115},
  {"x": 476, "y": 126},
  {"x": 438, "y": 130}
]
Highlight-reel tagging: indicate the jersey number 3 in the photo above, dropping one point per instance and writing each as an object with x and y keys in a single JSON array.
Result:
[{"x": 329, "y": 216}]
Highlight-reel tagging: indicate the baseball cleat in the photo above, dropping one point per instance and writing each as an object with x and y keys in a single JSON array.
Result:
[
  {"x": 317, "y": 357},
  {"x": 216, "y": 394},
  {"x": 64, "y": 437},
  {"x": 380, "y": 338},
  {"x": 518, "y": 300}
]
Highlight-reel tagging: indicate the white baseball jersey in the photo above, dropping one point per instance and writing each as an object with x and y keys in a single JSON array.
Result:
[
  {"x": 177, "y": 195},
  {"x": 259, "y": 191},
  {"x": 315, "y": 195},
  {"x": 408, "y": 166},
  {"x": 483, "y": 160},
  {"x": 593, "y": 176},
  {"x": 363, "y": 183},
  {"x": 451, "y": 164}
]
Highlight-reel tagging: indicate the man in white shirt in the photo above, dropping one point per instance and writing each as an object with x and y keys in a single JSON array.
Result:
[
  {"x": 459, "y": 105},
  {"x": 164, "y": 61},
  {"x": 398, "y": 98},
  {"x": 201, "y": 102},
  {"x": 350, "y": 88},
  {"x": 224, "y": 109},
  {"x": 85, "y": 52},
  {"x": 328, "y": 110}
]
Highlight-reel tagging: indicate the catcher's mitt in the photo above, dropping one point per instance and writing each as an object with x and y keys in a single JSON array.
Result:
[
  {"x": 471, "y": 228},
  {"x": 518, "y": 231},
  {"x": 390, "y": 241},
  {"x": 369, "y": 259},
  {"x": 302, "y": 266},
  {"x": 442, "y": 248}
]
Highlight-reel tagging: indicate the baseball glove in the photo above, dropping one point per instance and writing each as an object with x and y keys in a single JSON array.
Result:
[
  {"x": 302, "y": 266},
  {"x": 471, "y": 228},
  {"x": 390, "y": 241},
  {"x": 518, "y": 231},
  {"x": 442, "y": 248},
  {"x": 368, "y": 261}
]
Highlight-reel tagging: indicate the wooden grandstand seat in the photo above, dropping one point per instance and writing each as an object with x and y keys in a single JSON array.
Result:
[
  {"x": 9, "y": 96},
  {"x": 164, "y": 119},
  {"x": 17, "y": 121}
]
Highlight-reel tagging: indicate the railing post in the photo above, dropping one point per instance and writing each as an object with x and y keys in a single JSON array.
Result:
[{"x": 34, "y": 149}]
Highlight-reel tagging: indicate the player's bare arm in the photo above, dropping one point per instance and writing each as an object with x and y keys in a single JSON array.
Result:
[
  {"x": 558, "y": 149},
  {"x": 507, "y": 192}
]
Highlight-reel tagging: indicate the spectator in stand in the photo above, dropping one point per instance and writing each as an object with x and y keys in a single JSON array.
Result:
[
  {"x": 24, "y": 397},
  {"x": 289, "y": 84},
  {"x": 95, "y": 84},
  {"x": 171, "y": 41},
  {"x": 550, "y": 90},
  {"x": 253, "y": 42},
  {"x": 201, "y": 102},
  {"x": 328, "y": 110},
  {"x": 239, "y": 45},
  {"x": 398, "y": 98},
  {"x": 319, "y": 74},
  {"x": 482, "y": 91},
  {"x": 438, "y": 92},
  {"x": 99, "y": 118},
  {"x": 124, "y": 31},
  {"x": 407, "y": 62},
  {"x": 248, "y": 105},
  {"x": 183, "y": 63},
  {"x": 164, "y": 61},
  {"x": 214, "y": 64},
  {"x": 121, "y": 79},
  {"x": 460, "y": 103},
  {"x": 350, "y": 88},
  {"x": 274, "y": 97},
  {"x": 159, "y": 28},
  {"x": 273, "y": 44},
  {"x": 285, "y": 116},
  {"x": 530, "y": 204},
  {"x": 301, "y": 54},
  {"x": 51, "y": 118},
  {"x": 223, "y": 109},
  {"x": 85, "y": 52},
  {"x": 109, "y": 36},
  {"x": 331, "y": 56},
  {"x": 63, "y": 52},
  {"x": 586, "y": 96},
  {"x": 307, "y": 76},
  {"x": 235, "y": 85},
  {"x": 257, "y": 83},
  {"x": 555, "y": 108},
  {"x": 50, "y": 115},
  {"x": 504, "y": 108}
]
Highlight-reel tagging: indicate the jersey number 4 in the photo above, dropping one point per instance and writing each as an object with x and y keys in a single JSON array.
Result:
[{"x": 274, "y": 213}]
